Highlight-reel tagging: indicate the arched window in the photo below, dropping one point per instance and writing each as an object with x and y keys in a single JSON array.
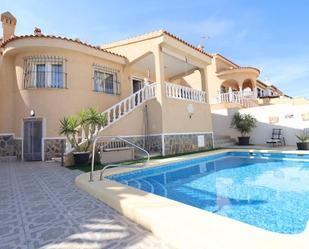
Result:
[{"x": 222, "y": 89}]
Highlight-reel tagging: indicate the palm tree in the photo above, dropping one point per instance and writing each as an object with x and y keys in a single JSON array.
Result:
[
  {"x": 89, "y": 121},
  {"x": 69, "y": 128}
]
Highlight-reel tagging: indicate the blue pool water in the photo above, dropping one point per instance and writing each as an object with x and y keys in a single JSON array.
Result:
[{"x": 270, "y": 191}]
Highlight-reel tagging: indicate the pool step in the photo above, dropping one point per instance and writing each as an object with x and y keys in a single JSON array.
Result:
[{"x": 223, "y": 141}]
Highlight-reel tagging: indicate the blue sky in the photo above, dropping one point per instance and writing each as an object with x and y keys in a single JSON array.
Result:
[{"x": 269, "y": 34}]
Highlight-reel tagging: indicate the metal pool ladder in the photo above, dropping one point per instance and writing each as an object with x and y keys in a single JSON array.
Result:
[{"x": 113, "y": 165}]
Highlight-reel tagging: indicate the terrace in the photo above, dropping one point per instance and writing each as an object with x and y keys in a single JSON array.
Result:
[{"x": 238, "y": 85}]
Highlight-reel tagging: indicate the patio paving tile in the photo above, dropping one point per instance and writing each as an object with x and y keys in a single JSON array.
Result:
[{"x": 40, "y": 207}]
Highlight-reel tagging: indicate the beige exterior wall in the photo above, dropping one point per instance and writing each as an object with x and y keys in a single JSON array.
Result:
[
  {"x": 221, "y": 72},
  {"x": 137, "y": 49},
  {"x": 134, "y": 123},
  {"x": 213, "y": 81},
  {"x": 192, "y": 80},
  {"x": 222, "y": 65},
  {"x": 172, "y": 113},
  {"x": 176, "y": 117},
  {"x": 7, "y": 95},
  {"x": 53, "y": 104},
  {"x": 283, "y": 100},
  {"x": 164, "y": 115},
  {"x": 173, "y": 117}
]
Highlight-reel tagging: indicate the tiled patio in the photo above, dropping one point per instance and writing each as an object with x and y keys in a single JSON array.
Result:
[{"x": 40, "y": 207}]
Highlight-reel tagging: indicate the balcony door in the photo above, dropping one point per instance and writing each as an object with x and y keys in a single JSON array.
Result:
[
  {"x": 32, "y": 139},
  {"x": 137, "y": 84}
]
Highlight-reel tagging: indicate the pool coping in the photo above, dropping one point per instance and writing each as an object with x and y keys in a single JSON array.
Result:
[{"x": 182, "y": 226}]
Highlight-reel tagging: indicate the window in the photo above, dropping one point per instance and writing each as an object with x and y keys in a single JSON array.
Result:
[
  {"x": 44, "y": 72},
  {"x": 259, "y": 92},
  {"x": 40, "y": 75},
  {"x": 222, "y": 89},
  {"x": 105, "y": 80},
  {"x": 57, "y": 76}
]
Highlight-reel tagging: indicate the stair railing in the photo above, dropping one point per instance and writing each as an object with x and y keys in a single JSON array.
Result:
[{"x": 124, "y": 107}]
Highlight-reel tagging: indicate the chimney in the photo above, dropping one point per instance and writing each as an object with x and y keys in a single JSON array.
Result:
[
  {"x": 37, "y": 31},
  {"x": 8, "y": 25}
]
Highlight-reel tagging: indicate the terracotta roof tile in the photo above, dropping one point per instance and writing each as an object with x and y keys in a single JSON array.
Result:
[
  {"x": 186, "y": 43},
  {"x": 154, "y": 34},
  {"x": 262, "y": 83},
  {"x": 3, "y": 44},
  {"x": 228, "y": 60}
]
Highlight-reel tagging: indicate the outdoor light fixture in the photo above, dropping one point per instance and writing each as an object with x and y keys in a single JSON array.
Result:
[
  {"x": 190, "y": 110},
  {"x": 32, "y": 113}
]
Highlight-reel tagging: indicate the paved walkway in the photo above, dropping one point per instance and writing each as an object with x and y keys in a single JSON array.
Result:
[{"x": 40, "y": 207}]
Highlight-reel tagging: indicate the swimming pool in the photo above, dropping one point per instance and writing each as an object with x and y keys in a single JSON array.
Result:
[{"x": 267, "y": 190}]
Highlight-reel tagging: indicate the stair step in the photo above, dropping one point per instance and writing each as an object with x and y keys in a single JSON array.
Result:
[
  {"x": 218, "y": 137},
  {"x": 224, "y": 145},
  {"x": 221, "y": 141},
  {"x": 224, "y": 140}
]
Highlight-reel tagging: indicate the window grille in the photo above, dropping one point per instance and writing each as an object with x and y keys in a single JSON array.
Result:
[
  {"x": 105, "y": 80},
  {"x": 45, "y": 72}
]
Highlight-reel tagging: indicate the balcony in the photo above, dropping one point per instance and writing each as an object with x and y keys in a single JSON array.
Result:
[
  {"x": 243, "y": 98},
  {"x": 175, "y": 91}
]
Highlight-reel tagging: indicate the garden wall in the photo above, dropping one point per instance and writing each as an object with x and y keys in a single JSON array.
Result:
[{"x": 292, "y": 119}]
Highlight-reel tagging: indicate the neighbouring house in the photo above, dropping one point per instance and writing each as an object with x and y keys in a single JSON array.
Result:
[
  {"x": 154, "y": 87},
  {"x": 235, "y": 86}
]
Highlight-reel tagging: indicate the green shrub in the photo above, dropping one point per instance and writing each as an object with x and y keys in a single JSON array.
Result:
[
  {"x": 303, "y": 137},
  {"x": 244, "y": 123}
]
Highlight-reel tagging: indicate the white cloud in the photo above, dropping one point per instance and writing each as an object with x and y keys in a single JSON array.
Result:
[{"x": 289, "y": 72}]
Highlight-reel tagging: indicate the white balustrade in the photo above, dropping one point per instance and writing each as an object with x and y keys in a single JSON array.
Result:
[
  {"x": 185, "y": 93},
  {"x": 124, "y": 107},
  {"x": 245, "y": 99}
]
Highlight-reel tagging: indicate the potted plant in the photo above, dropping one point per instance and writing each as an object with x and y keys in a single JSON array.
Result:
[
  {"x": 303, "y": 143},
  {"x": 85, "y": 124},
  {"x": 244, "y": 123}
]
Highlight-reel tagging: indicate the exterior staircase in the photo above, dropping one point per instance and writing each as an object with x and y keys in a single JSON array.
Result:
[
  {"x": 123, "y": 108},
  {"x": 222, "y": 141}
]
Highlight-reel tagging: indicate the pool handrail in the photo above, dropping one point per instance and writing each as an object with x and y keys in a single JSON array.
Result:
[{"x": 112, "y": 165}]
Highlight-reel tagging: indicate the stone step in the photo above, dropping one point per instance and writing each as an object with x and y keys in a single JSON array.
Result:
[
  {"x": 224, "y": 145},
  {"x": 216, "y": 137},
  {"x": 224, "y": 140},
  {"x": 221, "y": 141}
]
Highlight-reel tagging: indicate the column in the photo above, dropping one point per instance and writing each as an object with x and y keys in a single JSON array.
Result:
[
  {"x": 160, "y": 74},
  {"x": 205, "y": 88},
  {"x": 159, "y": 65},
  {"x": 161, "y": 93},
  {"x": 255, "y": 92},
  {"x": 254, "y": 89},
  {"x": 240, "y": 88}
]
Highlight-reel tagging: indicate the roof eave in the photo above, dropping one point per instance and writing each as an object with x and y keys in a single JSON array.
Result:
[{"x": 15, "y": 38}]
